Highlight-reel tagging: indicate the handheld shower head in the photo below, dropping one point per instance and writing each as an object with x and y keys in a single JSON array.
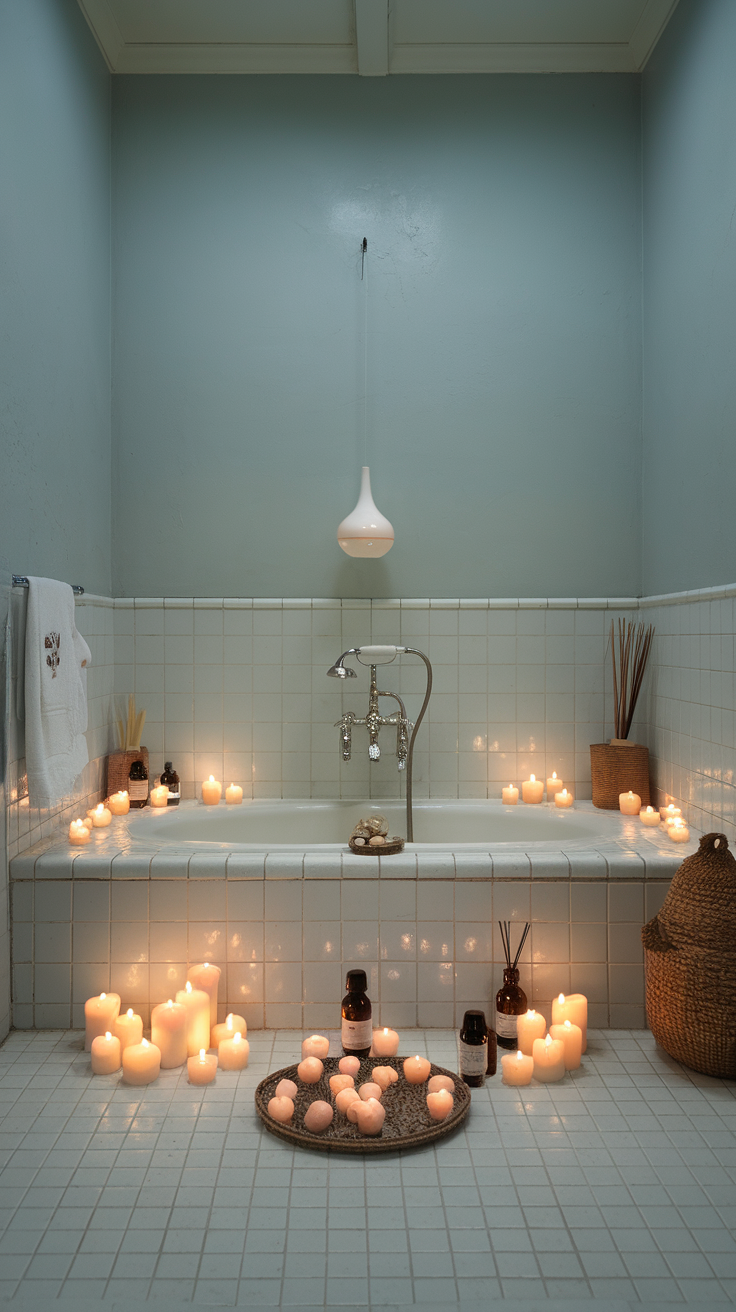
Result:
[{"x": 341, "y": 671}]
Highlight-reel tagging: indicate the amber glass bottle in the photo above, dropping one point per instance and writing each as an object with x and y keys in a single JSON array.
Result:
[
  {"x": 357, "y": 1013},
  {"x": 472, "y": 1049},
  {"x": 138, "y": 784},
  {"x": 171, "y": 779},
  {"x": 510, "y": 1003}
]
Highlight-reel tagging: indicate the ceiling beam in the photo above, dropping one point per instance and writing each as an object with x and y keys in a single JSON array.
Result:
[
  {"x": 105, "y": 30},
  {"x": 513, "y": 57},
  {"x": 371, "y": 37},
  {"x": 646, "y": 34}
]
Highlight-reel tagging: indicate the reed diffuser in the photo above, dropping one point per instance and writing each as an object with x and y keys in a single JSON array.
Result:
[
  {"x": 511, "y": 998},
  {"x": 128, "y": 732},
  {"x": 620, "y": 766},
  {"x": 629, "y": 662}
]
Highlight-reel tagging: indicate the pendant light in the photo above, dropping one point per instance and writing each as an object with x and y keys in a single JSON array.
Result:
[{"x": 365, "y": 531}]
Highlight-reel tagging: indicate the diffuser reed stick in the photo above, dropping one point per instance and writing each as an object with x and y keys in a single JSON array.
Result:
[
  {"x": 629, "y": 663},
  {"x": 129, "y": 730},
  {"x": 505, "y": 928}
]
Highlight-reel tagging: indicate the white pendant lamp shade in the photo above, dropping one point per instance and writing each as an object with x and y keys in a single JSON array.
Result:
[{"x": 365, "y": 532}]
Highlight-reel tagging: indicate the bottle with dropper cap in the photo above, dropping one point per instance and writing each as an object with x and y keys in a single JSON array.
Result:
[{"x": 357, "y": 1013}]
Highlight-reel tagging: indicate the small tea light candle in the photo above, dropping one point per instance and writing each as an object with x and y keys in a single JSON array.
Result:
[
  {"x": 532, "y": 790},
  {"x": 571, "y": 1037},
  {"x": 669, "y": 813},
  {"x": 440, "y": 1082},
  {"x": 128, "y": 1029},
  {"x": 233, "y": 1053},
  {"x": 629, "y": 803},
  {"x": 678, "y": 831},
  {"x": 317, "y": 1045},
  {"x": 119, "y": 803},
  {"x": 227, "y": 1029},
  {"x": 530, "y": 1026},
  {"x": 105, "y": 1054},
  {"x": 207, "y": 978},
  {"x": 563, "y": 799},
  {"x": 649, "y": 816},
  {"x": 310, "y": 1071},
  {"x": 281, "y": 1109},
  {"x": 510, "y": 795},
  {"x": 549, "y": 1060},
  {"x": 385, "y": 1076},
  {"x": 169, "y": 1022},
  {"x": 197, "y": 1005},
  {"x": 554, "y": 786},
  {"x": 417, "y": 1069},
  {"x": 385, "y": 1043},
  {"x": 574, "y": 1008},
  {"x": 160, "y": 796},
  {"x": 211, "y": 791},
  {"x": 318, "y": 1116},
  {"x": 202, "y": 1068},
  {"x": 440, "y": 1104},
  {"x": 79, "y": 833},
  {"x": 349, "y": 1065},
  {"x": 101, "y": 816},
  {"x": 100, "y": 1015},
  {"x": 141, "y": 1063},
  {"x": 517, "y": 1068},
  {"x": 234, "y": 795}
]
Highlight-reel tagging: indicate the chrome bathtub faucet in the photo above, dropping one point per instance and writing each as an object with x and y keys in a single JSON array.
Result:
[{"x": 406, "y": 732}]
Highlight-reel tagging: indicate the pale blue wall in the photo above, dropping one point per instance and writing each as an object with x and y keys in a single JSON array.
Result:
[
  {"x": 54, "y": 294},
  {"x": 504, "y": 224},
  {"x": 689, "y": 413}
]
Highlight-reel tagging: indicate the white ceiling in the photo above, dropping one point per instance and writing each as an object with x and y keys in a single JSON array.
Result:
[{"x": 376, "y": 37}]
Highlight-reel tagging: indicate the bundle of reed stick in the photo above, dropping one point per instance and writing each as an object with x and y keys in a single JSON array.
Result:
[
  {"x": 129, "y": 730},
  {"x": 505, "y": 928},
  {"x": 629, "y": 663}
]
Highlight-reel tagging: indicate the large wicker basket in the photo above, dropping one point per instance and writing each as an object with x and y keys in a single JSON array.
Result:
[
  {"x": 690, "y": 959},
  {"x": 118, "y": 768},
  {"x": 618, "y": 768}
]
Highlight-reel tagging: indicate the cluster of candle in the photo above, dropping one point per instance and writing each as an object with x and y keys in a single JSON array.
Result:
[
  {"x": 212, "y": 792},
  {"x": 182, "y": 1031},
  {"x": 99, "y": 817},
  {"x": 547, "y": 1055},
  {"x": 668, "y": 817},
  {"x": 532, "y": 792}
]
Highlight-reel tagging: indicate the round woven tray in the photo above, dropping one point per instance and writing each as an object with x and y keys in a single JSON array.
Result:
[
  {"x": 389, "y": 848},
  {"x": 407, "y": 1125}
]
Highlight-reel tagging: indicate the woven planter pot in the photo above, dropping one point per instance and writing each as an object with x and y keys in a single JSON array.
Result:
[
  {"x": 690, "y": 961},
  {"x": 118, "y": 768},
  {"x": 618, "y": 768}
]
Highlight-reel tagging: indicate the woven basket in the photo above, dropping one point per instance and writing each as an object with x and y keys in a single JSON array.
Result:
[
  {"x": 118, "y": 768},
  {"x": 617, "y": 768},
  {"x": 690, "y": 960}
]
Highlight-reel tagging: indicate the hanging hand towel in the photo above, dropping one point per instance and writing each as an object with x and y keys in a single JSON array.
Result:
[{"x": 55, "y": 693}]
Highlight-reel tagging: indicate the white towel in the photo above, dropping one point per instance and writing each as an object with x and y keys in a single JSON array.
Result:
[{"x": 56, "y": 693}]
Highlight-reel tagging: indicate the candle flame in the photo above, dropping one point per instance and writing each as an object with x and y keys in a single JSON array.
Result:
[
  {"x": 238, "y": 1036},
  {"x": 519, "y": 1054},
  {"x": 631, "y": 794},
  {"x": 189, "y": 986},
  {"x": 144, "y": 1042},
  {"x": 561, "y": 999},
  {"x": 103, "y": 995},
  {"x": 170, "y": 1003},
  {"x": 230, "y": 1022},
  {"x": 564, "y": 792},
  {"x": 554, "y": 774},
  {"x": 108, "y": 1035},
  {"x": 548, "y": 1040},
  {"x": 385, "y": 1030},
  {"x": 100, "y": 808},
  {"x": 568, "y": 1026},
  {"x": 130, "y": 1012},
  {"x": 532, "y": 780},
  {"x": 206, "y": 965},
  {"x": 531, "y": 1012},
  {"x": 212, "y": 778},
  {"x": 201, "y": 1054}
]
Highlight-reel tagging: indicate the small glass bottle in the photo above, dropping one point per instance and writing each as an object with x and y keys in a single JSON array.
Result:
[
  {"x": 510, "y": 1003},
  {"x": 138, "y": 784},
  {"x": 472, "y": 1049},
  {"x": 357, "y": 1013},
  {"x": 171, "y": 779}
]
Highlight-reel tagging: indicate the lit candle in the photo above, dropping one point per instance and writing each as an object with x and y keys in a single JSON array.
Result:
[
  {"x": 369, "y": 1116},
  {"x": 669, "y": 813},
  {"x": 233, "y": 795},
  {"x": 629, "y": 803},
  {"x": 202, "y": 1068},
  {"x": 160, "y": 796},
  {"x": 310, "y": 1071},
  {"x": 197, "y": 1004},
  {"x": 678, "y": 831},
  {"x": 169, "y": 1023},
  {"x": 281, "y": 1109},
  {"x": 571, "y": 1037},
  {"x": 317, "y": 1045},
  {"x": 207, "y": 978},
  {"x": 100, "y": 1015},
  {"x": 100, "y": 816},
  {"x": 438, "y": 1082},
  {"x": 532, "y": 790},
  {"x": 105, "y": 1054},
  {"x": 385, "y": 1043},
  {"x": 649, "y": 816},
  {"x": 211, "y": 791},
  {"x": 574, "y": 1008},
  {"x": 563, "y": 799},
  {"x": 227, "y": 1029},
  {"x": 233, "y": 1053},
  {"x": 440, "y": 1104},
  {"x": 141, "y": 1063},
  {"x": 517, "y": 1068},
  {"x": 530, "y": 1026},
  {"x": 128, "y": 1028},
  {"x": 318, "y": 1116},
  {"x": 510, "y": 795},
  {"x": 337, "y": 1082},
  {"x": 554, "y": 786},
  {"x": 370, "y": 1090},
  {"x": 345, "y": 1097},
  {"x": 417, "y": 1069},
  {"x": 549, "y": 1060},
  {"x": 79, "y": 833},
  {"x": 348, "y": 1065},
  {"x": 119, "y": 803},
  {"x": 385, "y": 1076}
]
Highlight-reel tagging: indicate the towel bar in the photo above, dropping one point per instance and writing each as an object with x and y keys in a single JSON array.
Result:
[{"x": 20, "y": 581}]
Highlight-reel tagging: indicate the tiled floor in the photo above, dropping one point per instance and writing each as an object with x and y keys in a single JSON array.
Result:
[{"x": 616, "y": 1185}]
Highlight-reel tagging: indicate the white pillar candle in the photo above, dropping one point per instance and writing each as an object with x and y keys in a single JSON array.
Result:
[
  {"x": 669, "y": 813},
  {"x": 317, "y": 1045},
  {"x": 530, "y": 1025},
  {"x": 202, "y": 1068},
  {"x": 549, "y": 1060},
  {"x": 231, "y": 1025},
  {"x": 440, "y": 1104},
  {"x": 207, "y": 978},
  {"x": 169, "y": 1023},
  {"x": 532, "y": 790},
  {"x": 679, "y": 832},
  {"x": 629, "y": 803},
  {"x": 232, "y": 1054},
  {"x": 128, "y": 1028},
  {"x": 234, "y": 795},
  {"x": 100, "y": 1015},
  {"x": 197, "y": 1004},
  {"x": 571, "y": 1037},
  {"x": 141, "y": 1063},
  {"x": 510, "y": 795},
  {"x": 517, "y": 1068},
  {"x": 563, "y": 800},
  {"x": 160, "y": 796},
  {"x": 119, "y": 803},
  {"x": 211, "y": 791},
  {"x": 100, "y": 816},
  {"x": 417, "y": 1069},
  {"x": 649, "y": 816},
  {"x": 105, "y": 1053},
  {"x": 554, "y": 786},
  {"x": 574, "y": 1008},
  {"x": 79, "y": 833},
  {"x": 385, "y": 1043}
]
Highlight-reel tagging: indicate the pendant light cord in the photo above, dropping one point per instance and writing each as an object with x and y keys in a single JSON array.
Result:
[{"x": 364, "y": 278}]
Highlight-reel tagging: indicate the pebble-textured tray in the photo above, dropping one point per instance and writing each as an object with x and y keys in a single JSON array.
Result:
[
  {"x": 389, "y": 848},
  {"x": 408, "y": 1124}
]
